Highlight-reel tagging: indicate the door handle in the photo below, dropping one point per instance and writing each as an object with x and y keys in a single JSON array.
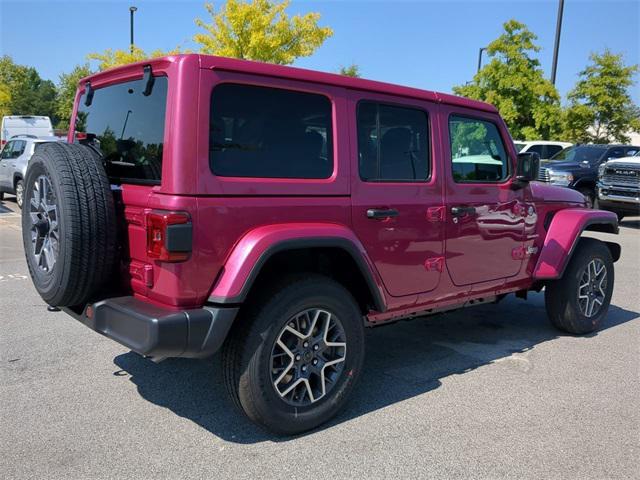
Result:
[
  {"x": 460, "y": 211},
  {"x": 381, "y": 213}
]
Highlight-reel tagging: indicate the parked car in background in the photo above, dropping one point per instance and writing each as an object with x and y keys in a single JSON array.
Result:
[
  {"x": 577, "y": 167},
  {"x": 292, "y": 210},
  {"x": 14, "y": 159},
  {"x": 29, "y": 125},
  {"x": 619, "y": 186},
  {"x": 544, "y": 148}
]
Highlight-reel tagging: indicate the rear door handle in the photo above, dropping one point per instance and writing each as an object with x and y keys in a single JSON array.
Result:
[
  {"x": 460, "y": 211},
  {"x": 380, "y": 213}
]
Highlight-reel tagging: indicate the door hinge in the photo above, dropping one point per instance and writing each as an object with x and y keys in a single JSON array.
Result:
[
  {"x": 519, "y": 253},
  {"x": 435, "y": 264}
]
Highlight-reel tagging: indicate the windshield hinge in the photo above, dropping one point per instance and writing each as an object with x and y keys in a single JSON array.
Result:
[
  {"x": 148, "y": 80},
  {"x": 88, "y": 90}
]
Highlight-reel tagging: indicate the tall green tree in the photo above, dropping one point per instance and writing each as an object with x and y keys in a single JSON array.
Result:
[
  {"x": 514, "y": 83},
  {"x": 29, "y": 94},
  {"x": 352, "y": 70},
  {"x": 67, "y": 85},
  {"x": 5, "y": 100},
  {"x": 114, "y": 58},
  {"x": 260, "y": 30},
  {"x": 600, "y": 107}
]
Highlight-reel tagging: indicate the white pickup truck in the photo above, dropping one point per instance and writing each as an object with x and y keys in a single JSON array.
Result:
[{"x": 619, "y": 186}]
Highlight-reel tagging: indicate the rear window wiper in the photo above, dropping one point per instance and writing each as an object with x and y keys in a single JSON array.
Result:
[
  {"x": 89, "y": 93},
  {"x": 148, "y": 80}
]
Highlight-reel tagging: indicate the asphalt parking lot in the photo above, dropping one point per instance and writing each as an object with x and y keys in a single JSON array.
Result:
[{"x": 490, "y": 392}]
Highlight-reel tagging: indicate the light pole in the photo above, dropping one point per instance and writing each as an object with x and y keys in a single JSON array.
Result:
[
  {"x": 482, "y": 49},
  {"x": 556, "y": 46},
  {"x": 131, "y": 11}
]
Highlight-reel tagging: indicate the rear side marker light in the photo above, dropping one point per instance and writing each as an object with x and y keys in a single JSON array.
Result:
[{"x": 169, "y": 235}]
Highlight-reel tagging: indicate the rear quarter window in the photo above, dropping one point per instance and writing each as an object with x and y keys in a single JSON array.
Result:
[{"x": 270, "y": 133}]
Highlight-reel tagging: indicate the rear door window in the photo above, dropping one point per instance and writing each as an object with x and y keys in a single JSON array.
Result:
[
  {"x": 539, "y": 149},
  {"x": 477, "y": 151},
  {"x": 270, "y": 133},
  {"x": 128, "y": 128},
  {"x": 552, "y": 150},
  {"x": 393, "y": 143},
  {"x": 18, "y": 148}
]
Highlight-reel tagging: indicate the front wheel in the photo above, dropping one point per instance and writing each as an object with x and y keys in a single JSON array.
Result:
[
  {"x": 590, "y": 197},
  {"x": 19, "y": 193},
  {"x": 578, "y": 302},
  {"x": 294, "y": 356}
]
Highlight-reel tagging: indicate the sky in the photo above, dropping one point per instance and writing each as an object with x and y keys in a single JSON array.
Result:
[{"x": 425, "y": 44}]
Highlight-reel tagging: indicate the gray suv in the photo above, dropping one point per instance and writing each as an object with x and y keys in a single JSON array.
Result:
[{"x": 13, "y": 163}]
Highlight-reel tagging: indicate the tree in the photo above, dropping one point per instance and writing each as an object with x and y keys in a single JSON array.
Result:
[
  {"x": 352, "y": 70},
  {"x": 113, "y": 58},
  {"x": 514, "y": 83},
  {"x": 29, "y": 94},
  {"x": 600, "y": 108},
  {"x": 260, "y": 30},
  {"x": 5, "y": 100},
  {"x": 67, "y": 85}
]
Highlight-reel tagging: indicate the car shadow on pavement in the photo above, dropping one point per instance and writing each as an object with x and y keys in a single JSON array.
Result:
[
  {"x": 403, "y": 360},
  {"x": 4, "y": 209},
  {"x": 630, "y": 224}
]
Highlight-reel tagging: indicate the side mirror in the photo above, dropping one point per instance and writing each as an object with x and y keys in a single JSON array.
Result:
[{"x": 528, "y": 166}]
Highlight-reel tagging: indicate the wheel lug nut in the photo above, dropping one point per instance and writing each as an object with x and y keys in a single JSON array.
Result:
[
  {"x": 305, "y": 344},
  {"x": 298, "y": 357},
  {"x": 315, "y": 361},
  {"x": 304, "y": 368},
  {"x": 315, "y": 347}
]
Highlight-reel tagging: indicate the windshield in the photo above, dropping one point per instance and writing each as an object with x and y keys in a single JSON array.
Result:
[
  {"x": 582, "y": 153},
  {"x": 128, "y": 128},
  {"x": 519, "y": 146}
]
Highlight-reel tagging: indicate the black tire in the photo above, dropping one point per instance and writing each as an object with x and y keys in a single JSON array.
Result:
[
  {"x": 86, "y": 223},
  {"x": 561, "y": 296},
  {"x": 1, "y": 196},
  {"x": 590, "y": 196},
  {"x": 20, "y": 193},
  {"x": 247, "y": 353}
]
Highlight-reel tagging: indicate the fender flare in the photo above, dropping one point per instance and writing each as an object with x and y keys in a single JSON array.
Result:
[
  {"x": 256, "y": 247},
  {"x": 563, "y": 235}
]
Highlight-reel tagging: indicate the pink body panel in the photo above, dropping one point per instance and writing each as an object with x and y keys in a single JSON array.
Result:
[
  {"x": 418, "y": 260},
  {"x": 564, "y": 231}
]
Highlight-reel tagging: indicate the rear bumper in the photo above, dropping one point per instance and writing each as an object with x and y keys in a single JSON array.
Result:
[{"x": 157, "y": 332}]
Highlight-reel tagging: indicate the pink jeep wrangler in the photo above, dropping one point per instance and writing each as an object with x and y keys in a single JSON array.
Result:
[{"x": 273, "y": 213}]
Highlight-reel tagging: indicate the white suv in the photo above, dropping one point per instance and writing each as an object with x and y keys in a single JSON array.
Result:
[
  {"x": 13, "y": 163},
  {"x": 545, "y": 148}
]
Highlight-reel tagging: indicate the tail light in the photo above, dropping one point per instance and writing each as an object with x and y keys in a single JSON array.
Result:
[{"x": 168, "y": 235}]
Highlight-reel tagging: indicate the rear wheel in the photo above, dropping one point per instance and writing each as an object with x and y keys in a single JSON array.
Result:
[
  {"x": 295, "y": 355},
  {"x": 19, "y": 192},
  {"x": 578, "y": 302},
  {"x": 68, "y": 223}
]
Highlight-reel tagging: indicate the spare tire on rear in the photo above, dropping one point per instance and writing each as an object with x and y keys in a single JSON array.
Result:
[{"x": 68, "y": 223}]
